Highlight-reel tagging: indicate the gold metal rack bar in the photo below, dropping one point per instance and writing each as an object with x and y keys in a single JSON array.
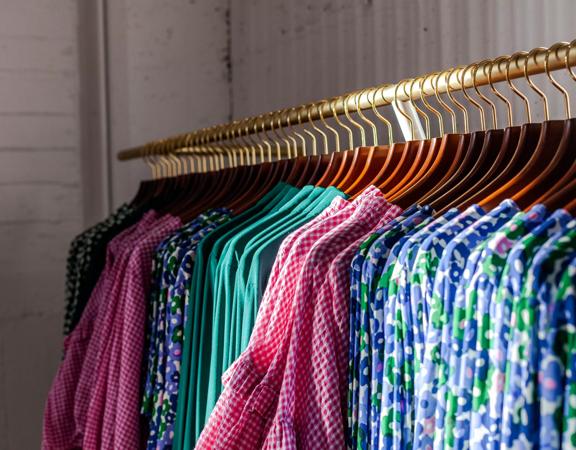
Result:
[{"x": 534, "y": 62}]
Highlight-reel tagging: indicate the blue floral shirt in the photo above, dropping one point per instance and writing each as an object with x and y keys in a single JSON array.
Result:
[
  {"x": 398, "y": 358},
  {"x": 362, "y": 287},
  {"x": 471, "y": 317},
  {"x": 563, "y": 366},
  {"x": 421, "y": 283},
  {"x": 172, "y": 272},
  {"x": 488, "y": 386},
  {"x": 529, "y": 320}
]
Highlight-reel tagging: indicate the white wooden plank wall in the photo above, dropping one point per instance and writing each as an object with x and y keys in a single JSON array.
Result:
[
  {"x": 289, "y": 52},
  {"x": 40, "y": 208}
]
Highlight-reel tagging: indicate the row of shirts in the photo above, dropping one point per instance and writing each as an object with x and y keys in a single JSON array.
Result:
[
  {"x": 462, "y": 331},
  {"x": 288, "y": 388},
  {"x": 204, "y": 301},
  {"x": 310, "y": 321}
]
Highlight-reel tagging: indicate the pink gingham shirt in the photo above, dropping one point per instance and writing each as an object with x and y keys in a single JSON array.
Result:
[
  {"x": 90, "y": 404},
  {"x": 254, "y": 385},
  {"x": 311, "y": 409}
]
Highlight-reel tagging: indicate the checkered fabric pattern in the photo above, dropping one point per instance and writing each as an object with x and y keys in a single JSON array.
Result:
[
  {"x": 69, "y": 396},
  {"x": 252, "y": 384},
  {"x": 94, "y": 399},
  {"x": 312, "y": 401},
  {"x": 288, "y": 243},
  {"x": 272, "y": 320}
]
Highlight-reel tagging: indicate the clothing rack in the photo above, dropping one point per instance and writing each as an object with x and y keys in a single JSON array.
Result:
[{"x": 539, "y": 60}]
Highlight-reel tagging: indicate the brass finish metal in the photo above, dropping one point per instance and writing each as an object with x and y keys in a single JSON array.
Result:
[{"x": 521, "y": 64}]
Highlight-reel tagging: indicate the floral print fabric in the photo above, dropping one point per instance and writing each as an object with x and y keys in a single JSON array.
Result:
[
  {"x": 470, "y": 321},
  {"x": 172, "y": 270}
]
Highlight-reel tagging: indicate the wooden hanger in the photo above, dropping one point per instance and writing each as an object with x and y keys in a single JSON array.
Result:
[
  {"x": 425, "y": 152},
  {"x": 447, "y": 152},
  {"x": 473, "y": 154},
  {"x": 561, "y": 167},
  {"x": 564, "y": 197},
  {"x": 378, "y": 156},
  {"x": 299, "y": 162},
  {"x": 519, "y": 150},
  {"x": 487, "y": 160},
  {"x": 265, "y": 173},
  {"x": 323, "y": 159},
  {"x": 363, "y": 156},
  {"x": 425, "y": 155},
  {"x": 552, "y": 132},
  {"x": 563, "y": 187},
  {"x": 405, "y": 168},
  {"x": 508, "y": 147},
  {"x": 335, "y": 157},
  {"x": 147, "y": 187}
]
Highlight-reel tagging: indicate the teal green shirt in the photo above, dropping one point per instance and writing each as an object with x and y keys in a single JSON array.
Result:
[
  {"x": 200, "y": 309},
  {"x": 211, "y": 352},
  {"x": 258, "y": 254}
]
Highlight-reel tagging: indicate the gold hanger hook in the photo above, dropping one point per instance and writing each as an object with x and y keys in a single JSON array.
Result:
[
  {"x": 339, "y": 122},
  {"x": 364, "y": 118},
  {"x": 159, "y": 157},
  {"x": 243, "y": 126},
  {"x": 172, "y": 154},
  {"x": 187, "y": 148},
  {"x": 148, "y": 160},
  {"x": 469, "y": 97},
  {"x": 223, "y": 137},
  {"x": 266, "y": 137},
  {"x": 378, "y": 114},
  {"x": 532, "y": 54},
  {"x": 459, "y": 105},
  {"x": 219, "y": 147},
  {"x": 244, "y": 150},
  {"x": 352, "y": 121},
  {"x": 203, "y": 150},
  {"x": 567, "y": 60},
  {"x": 165, "y": 149},
  {"x": 437, "y": 113},
  {"x": 308, "y": 132},
  {"x": 400, "y": 109},
  {"x": 496, "y": 92},
  {"x": 324, "y": 136},
  {"x": 249, "y": 139},
  {"x": 302, "y": 139},
  {"x": 481, "y": 95},
  {"x": 420, "y": 112},
  {"x": 290, "y": 139},
  {"x": 257, "y": 137},
  {"x": 234, "y": 149},
  {"x": 555, "y": 83},
  {"x": 444, "y": 105},
  {"x": 156, "y": 159},
  {"x": 234, "y": 146},
  {"x": 332, "y": 129},
  {"x": 515, "y": 57},
  {"x": 278, "y": 137}
]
